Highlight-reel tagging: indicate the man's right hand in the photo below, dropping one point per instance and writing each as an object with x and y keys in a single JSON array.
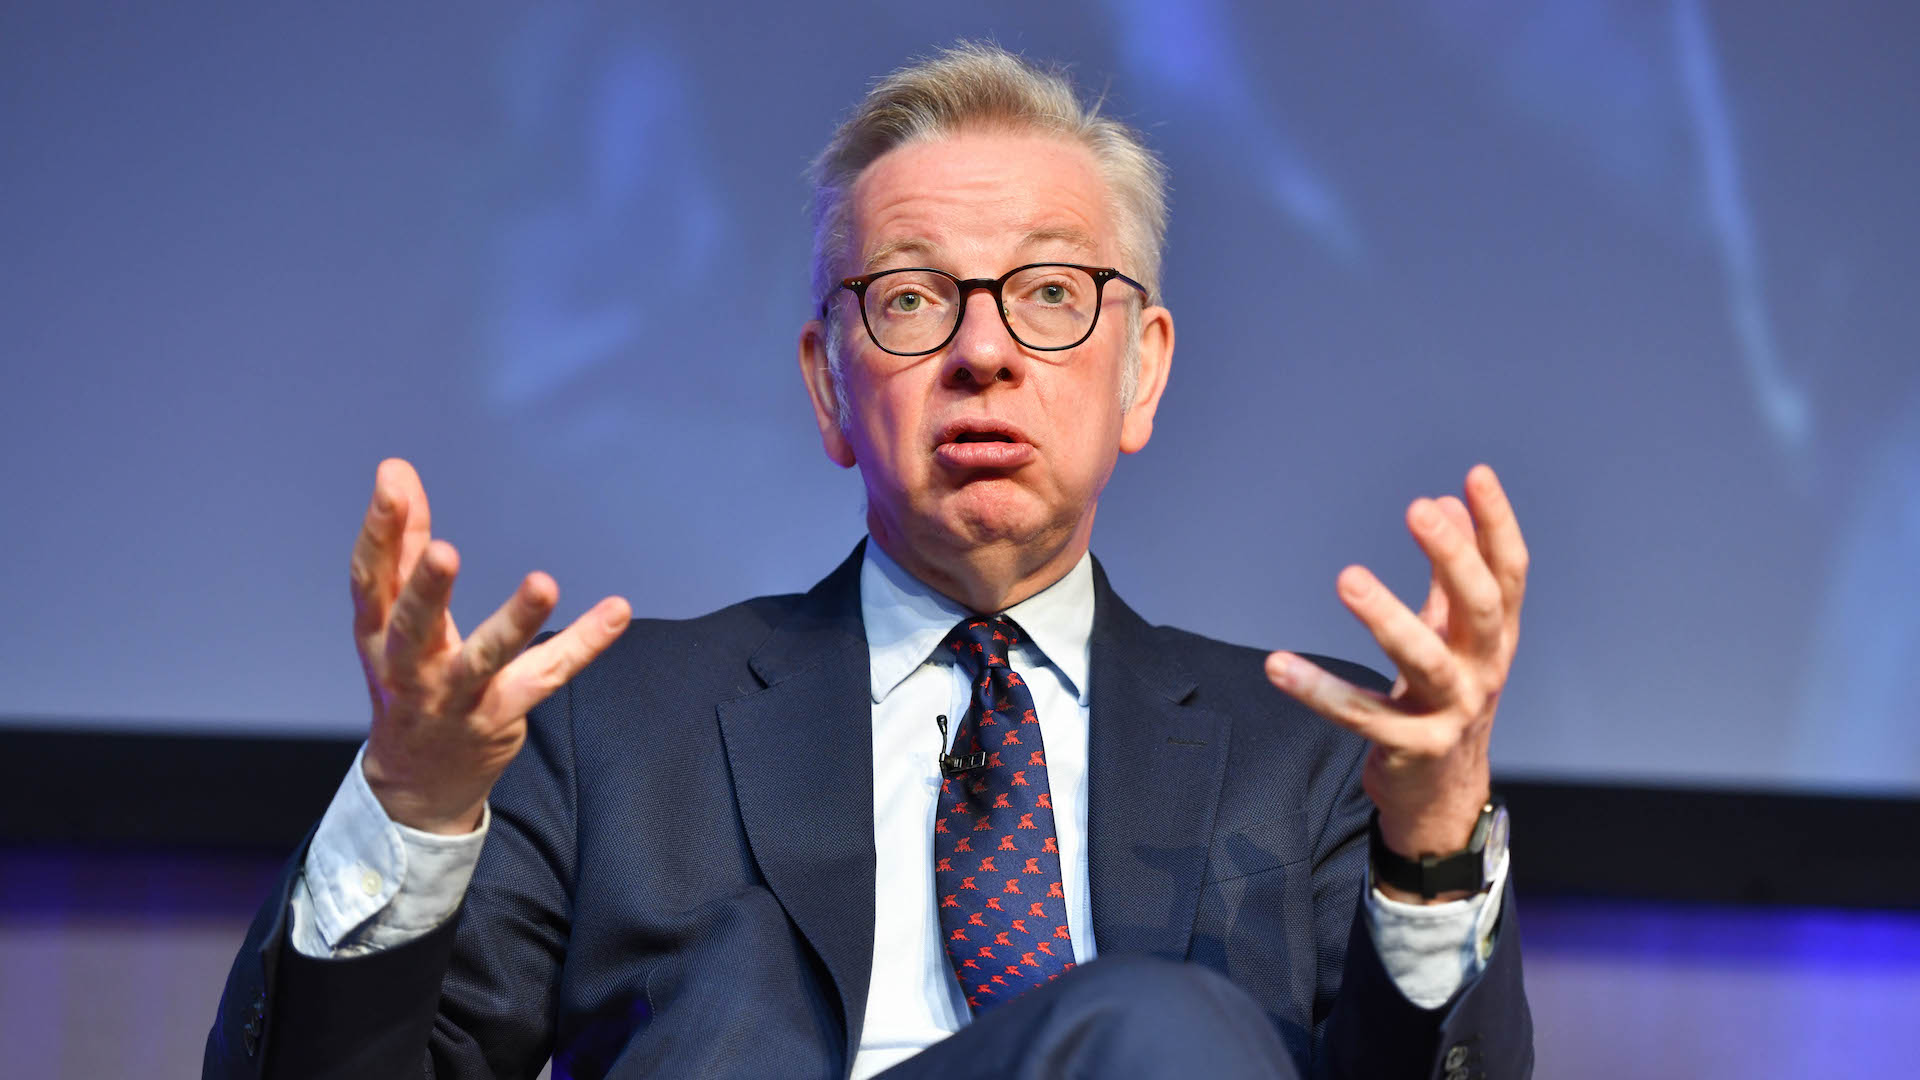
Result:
[{"x": 449, "y": 714}]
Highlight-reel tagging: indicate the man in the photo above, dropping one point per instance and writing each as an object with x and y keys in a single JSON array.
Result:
[{"x": 890, "y": 824}]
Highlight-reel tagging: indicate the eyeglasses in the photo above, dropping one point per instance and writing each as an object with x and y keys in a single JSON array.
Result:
[{"x": 1046, "y": 306}]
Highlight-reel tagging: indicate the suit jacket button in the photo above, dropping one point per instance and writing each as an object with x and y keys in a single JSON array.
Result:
[{"x": 1456, "y": 1057}]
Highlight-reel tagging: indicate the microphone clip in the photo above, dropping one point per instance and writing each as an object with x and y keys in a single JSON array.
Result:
[{"x": 955, "y": 764}]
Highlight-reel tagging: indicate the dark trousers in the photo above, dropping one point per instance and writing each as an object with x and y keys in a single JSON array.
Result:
[{"x": 1118, "y": 1018}]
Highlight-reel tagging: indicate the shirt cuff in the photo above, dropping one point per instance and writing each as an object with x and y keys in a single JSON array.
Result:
[
  {"x": 370, "y": 883},
  {"x": 1431, "y": 950}
]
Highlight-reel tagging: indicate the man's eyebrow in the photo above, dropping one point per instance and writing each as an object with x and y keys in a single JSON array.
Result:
[
  {"x": 1060, "y": 234},
  {"x": 906, "y": 245}
]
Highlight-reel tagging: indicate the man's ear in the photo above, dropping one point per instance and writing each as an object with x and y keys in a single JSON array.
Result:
[
  {"x": 818, "y": 375},
  {"x": 1156, "y": 360}
]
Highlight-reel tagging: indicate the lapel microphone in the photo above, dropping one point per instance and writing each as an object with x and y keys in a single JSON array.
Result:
[{"x": 955, "y": 764}]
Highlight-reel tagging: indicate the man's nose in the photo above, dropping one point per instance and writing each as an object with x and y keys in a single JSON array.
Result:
[{"x": 983, "y": 351}]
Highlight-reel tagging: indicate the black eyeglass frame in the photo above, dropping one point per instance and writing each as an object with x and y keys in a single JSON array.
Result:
[{"x": 1100, "y": 274}]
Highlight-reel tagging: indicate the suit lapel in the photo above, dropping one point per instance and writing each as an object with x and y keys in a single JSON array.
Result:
[
  {"x": 801, "y": 751},
  {"x": 1155, "y": 767}
]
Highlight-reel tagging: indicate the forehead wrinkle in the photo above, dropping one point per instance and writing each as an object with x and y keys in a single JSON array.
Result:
[
  {"x": 1072, "y": 236},
  {"x": 920, "y": 215},
  {"x": 927, "y": 252}
]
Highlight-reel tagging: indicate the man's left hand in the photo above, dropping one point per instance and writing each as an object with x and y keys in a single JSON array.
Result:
[{"x": 1426, "y": 770}]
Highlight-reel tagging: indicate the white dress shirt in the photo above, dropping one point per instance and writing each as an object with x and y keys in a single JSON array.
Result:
[
  {"x": 370, "y": 883},
  {"x": 913, "y": 999}
]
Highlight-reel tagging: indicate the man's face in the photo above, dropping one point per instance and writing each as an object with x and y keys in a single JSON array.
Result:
[{"x": 977, "y": 205}]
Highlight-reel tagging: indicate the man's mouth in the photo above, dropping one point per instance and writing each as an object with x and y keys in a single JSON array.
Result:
[
  {"x": 983, "y": 443},
  {"x": 980, "y": 429}
]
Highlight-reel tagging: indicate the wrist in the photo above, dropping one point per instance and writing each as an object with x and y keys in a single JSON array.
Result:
[
  {"x": 405, "y": 805},
  {"x": 1424, "y": 875},
  {"x": 1429, "y": 833}
]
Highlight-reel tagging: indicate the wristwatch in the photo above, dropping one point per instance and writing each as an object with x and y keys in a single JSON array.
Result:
[{"x": 1467, "y": 870}]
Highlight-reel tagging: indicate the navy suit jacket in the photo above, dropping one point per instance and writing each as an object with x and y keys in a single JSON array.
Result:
[{"x": 679, "y": 876}]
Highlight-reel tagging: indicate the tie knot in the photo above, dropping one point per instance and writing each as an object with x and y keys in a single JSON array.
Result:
[{"x": 983, "y": 644}]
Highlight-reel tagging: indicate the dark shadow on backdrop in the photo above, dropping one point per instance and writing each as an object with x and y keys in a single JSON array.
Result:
[{"x": 137, "y": 794}]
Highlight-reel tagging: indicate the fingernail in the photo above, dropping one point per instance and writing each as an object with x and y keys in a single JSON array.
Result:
[
  {"x": 1283, "y": 668},
  {"x": 1425, "y": 514}
]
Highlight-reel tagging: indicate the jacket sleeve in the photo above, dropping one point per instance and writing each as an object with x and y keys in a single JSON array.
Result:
[
  {"x": 1364, "y": 1026},
  {"x": 471, "y": 1000},
  {"x": 1486, "y": 1030}
]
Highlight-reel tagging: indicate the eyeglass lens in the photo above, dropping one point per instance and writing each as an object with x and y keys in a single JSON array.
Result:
[{"x": 911, "y": 311}]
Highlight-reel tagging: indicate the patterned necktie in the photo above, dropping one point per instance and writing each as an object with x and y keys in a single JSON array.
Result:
[{"x": 996, "y": 857}]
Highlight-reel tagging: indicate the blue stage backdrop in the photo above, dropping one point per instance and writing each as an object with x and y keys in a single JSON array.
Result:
[{"x": 1652, "y": 260}]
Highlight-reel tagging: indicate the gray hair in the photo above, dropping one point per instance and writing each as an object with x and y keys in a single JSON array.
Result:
[{"x": 973, "y": 86}]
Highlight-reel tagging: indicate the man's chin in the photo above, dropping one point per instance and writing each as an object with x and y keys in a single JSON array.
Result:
[{"x": 992, "y": 512}]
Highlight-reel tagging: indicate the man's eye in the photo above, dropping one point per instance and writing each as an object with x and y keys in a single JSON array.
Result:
[
  {"x": 1053, "y": 293},
  {"x": 906, "y": 302}
]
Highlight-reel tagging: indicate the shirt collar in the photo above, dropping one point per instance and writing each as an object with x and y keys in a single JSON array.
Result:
[{"x": 906, "y": 620}]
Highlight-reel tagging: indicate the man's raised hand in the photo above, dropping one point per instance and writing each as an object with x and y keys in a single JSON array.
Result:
[
  {"x": 449, "y": 714},
  {"x": 1427, "y": 768}
]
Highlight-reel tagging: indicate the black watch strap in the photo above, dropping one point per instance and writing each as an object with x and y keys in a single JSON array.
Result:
[{"x": 1466, "y": 870}]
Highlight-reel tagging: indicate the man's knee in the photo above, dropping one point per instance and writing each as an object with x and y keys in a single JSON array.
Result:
[
  {"x": 1159, "y": 1016},
  {"x": 1129, "y": 980}
]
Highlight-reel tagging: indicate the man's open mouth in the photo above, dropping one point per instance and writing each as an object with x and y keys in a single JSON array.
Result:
[
  {"x": 983, "y": 443},
  {"x": 979, "y": 429}
]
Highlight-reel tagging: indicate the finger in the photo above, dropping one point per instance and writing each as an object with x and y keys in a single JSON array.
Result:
[
  {"x": 1360, "y": 711},
  {"x": 1434, "y": 611},
  {"x": 398, "y": 475},
  {"x": 1456, "y": 513},
  {"x": 1422, "y": 657},
  {"x": 373, "y": 572},
  {"x": 546, "y": 667},
  {"x": 1504, "y": 548},
  {"x": 1474, "y": 601},
  {"x": 506, "y": 632},
  {"x": 418, "y": 628}
]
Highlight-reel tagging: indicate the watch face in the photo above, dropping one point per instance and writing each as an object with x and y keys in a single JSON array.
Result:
[{"x": 1496, "y": 845}]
